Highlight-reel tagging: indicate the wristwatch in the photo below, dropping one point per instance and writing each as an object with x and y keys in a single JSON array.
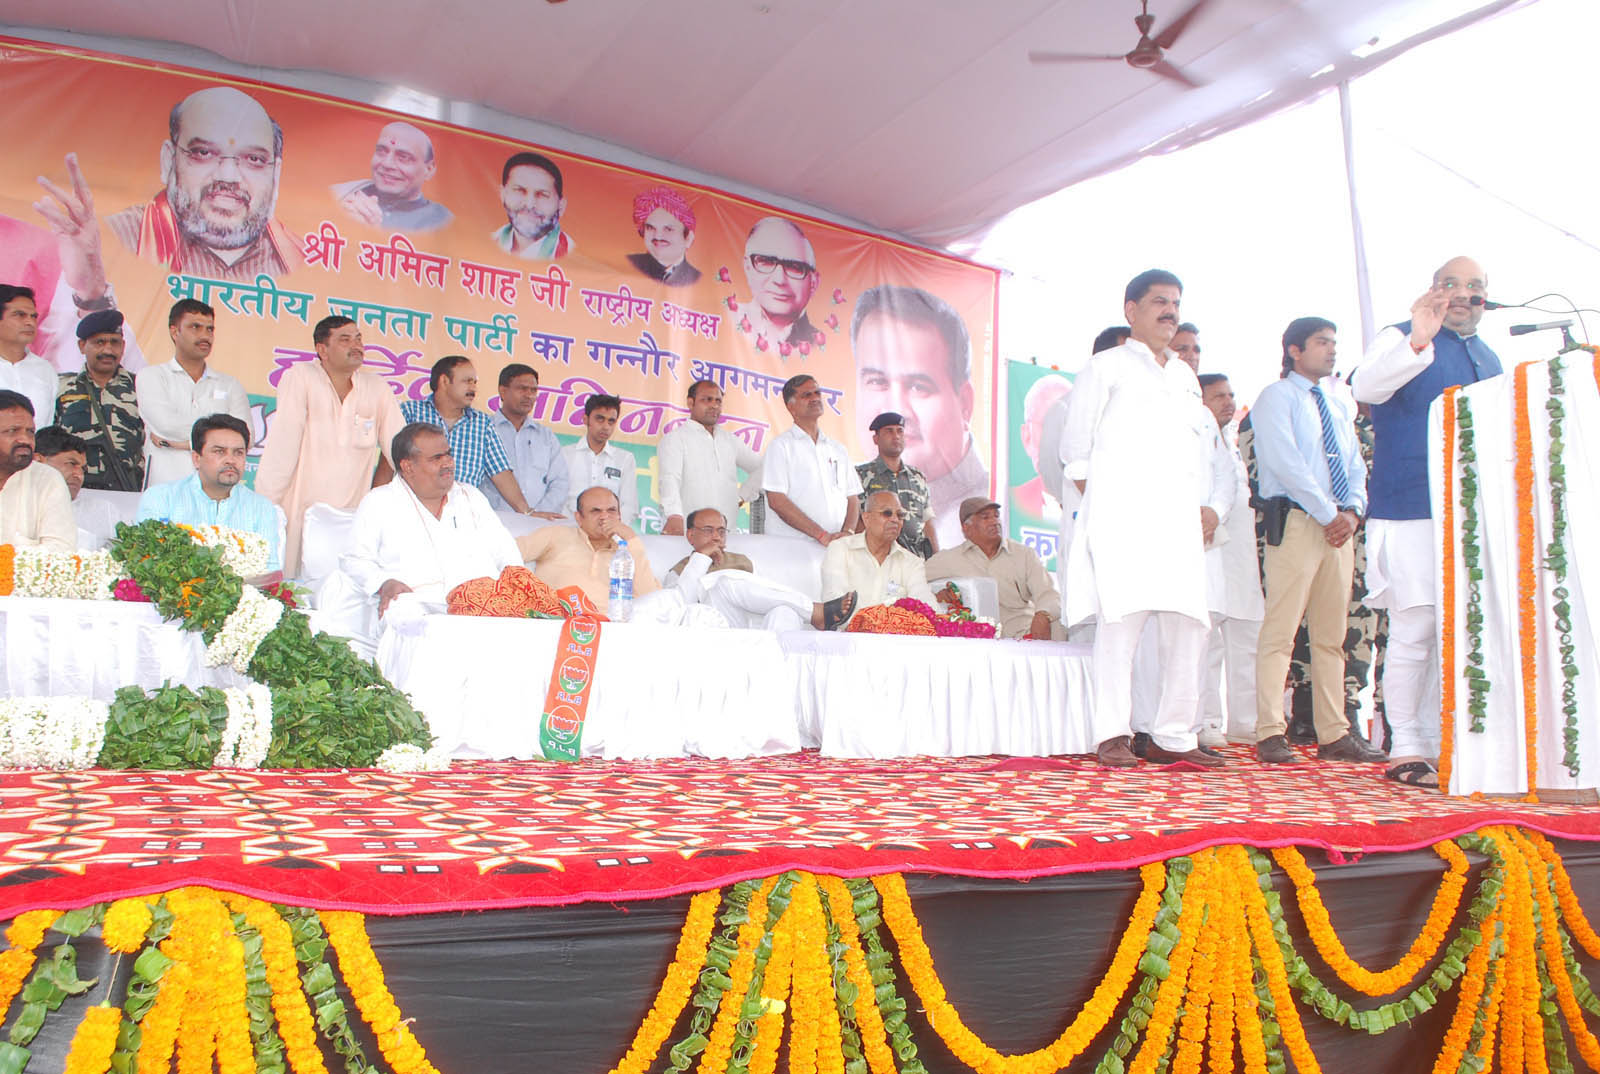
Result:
[{"x": 107, "y": 301}]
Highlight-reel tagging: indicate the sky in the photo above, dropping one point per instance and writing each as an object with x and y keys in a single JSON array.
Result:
[{"x": 1471, "y": 144}]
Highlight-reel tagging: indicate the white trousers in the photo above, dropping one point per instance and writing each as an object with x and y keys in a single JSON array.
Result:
[
  {"x": 756, "y": 604},
  {"x": 1181, "y": 641},
  {"x": 1230, "y": 649},
  {"x": 1411, "y": 681}
]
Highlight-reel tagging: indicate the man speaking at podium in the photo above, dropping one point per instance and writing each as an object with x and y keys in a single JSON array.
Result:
[{"x": 1406, "y": 368}]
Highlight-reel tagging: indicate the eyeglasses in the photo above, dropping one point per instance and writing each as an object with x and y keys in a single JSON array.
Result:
[
  {"x": 1472, "y": 287},
  {"x": 205, "y": 156},
  {"x": 795, "y": 270},
  {"x": 889, "y": 512},
  {"x": 716, "y": 531}
]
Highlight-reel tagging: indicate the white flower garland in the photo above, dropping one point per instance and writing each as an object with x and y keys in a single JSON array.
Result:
[
  {"x": 243, "y": 551},
  {"x": 52, "y": 732},
  {"x": 409, "y": 758},
  {"x": 251, "y": 620},
  {"x": 44, "y": 572},
  {"x": 248, "y": 733}
]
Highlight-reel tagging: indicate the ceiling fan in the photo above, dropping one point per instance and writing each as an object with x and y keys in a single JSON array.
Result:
[{"x": 1149, "y": 54}]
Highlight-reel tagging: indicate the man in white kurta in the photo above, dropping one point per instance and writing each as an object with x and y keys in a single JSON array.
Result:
[
  {"x": 174, "y": 395},
  {"x": 1233, "y": 591},
  {"x": 1138, "y": 442},
  {"x": 595, "y": 462},
  {"x": 698, "y": 463},
  {"x": 331, "y": 423},
  {"x": 422, "y": 535},
  {"x": 810, "y": 483},
  {"x": 727, "y": 581}
]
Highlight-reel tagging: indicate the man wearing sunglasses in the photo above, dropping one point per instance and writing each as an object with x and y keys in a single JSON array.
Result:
[
  {"x": 221, "y": 164},
  {"x": 782, "y": 271}
]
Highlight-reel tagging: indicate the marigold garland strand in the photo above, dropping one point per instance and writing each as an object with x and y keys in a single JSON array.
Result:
[
  {"x": 1446, "y": 901},
  {"x": 1531, "y": 858},
  {"x": 94, "y": 1041},
  {"x": 874, "y": 1038},
  {"x": 296, "y": 1026},
  {"x": 774, "y": 997},
  {"x": 1272, "y": 963},
  {"x": 24, "y": 935},
  {"x": 1527, "y": 577},
  {"x": 364, "y": 977},
  {"x": 676, "y": 986}
]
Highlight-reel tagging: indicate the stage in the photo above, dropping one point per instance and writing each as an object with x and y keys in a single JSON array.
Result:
[{"x": 1022, "y": 872}]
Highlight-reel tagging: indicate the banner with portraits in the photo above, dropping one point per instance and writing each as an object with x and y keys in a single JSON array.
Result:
[
  {"x": 1036, "y": 398},
  {"x": 142, "y": 184}
]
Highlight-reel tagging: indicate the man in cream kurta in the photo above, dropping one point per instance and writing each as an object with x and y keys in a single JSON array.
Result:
[
  {"x": 872, "y": 564},
  {"x": 1139, "y": 445},
  {"x": 699, "y": 463},
  {"x": 35, "y": 506},
  {"x": 324, "y": 440},
  {"x": 564, "y": 556}
]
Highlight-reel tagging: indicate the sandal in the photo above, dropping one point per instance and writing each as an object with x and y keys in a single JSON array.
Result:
[
  {"x": 836, "y": 612},
  {"x": 1414, "y": 774}
]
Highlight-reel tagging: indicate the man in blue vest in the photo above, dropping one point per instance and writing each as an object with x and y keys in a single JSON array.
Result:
[{"x": 1406, "y": 368}]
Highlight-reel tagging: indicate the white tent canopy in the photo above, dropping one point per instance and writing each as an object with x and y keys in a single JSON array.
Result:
[{"x": 916, "y": 118}]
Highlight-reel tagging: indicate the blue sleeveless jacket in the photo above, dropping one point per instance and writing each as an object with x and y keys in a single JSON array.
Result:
[{"x": 1398, "y": 485}]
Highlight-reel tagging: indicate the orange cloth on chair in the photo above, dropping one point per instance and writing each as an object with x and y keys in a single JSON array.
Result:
[{"x": 513, "y": 595}]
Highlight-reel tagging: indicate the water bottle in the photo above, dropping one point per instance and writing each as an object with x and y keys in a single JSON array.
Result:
[{"x": 619, "y": 604}]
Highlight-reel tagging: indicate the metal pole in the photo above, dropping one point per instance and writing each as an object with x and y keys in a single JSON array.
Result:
[{"x": 1363, "y": 278}]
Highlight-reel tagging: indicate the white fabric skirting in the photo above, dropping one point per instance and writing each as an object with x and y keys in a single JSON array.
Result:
[
  {"x": 93, "y": 648},
  {"x": 877, "y": 695},
  {"x": 659, "y": 691}
]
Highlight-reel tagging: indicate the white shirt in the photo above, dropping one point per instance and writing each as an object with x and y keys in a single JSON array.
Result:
[
  {"x": 612, "y": 467},
  {"x": 701, "y": 469},
  {"x": 35, "y": 378},
  {"x": 170, "y": 402},
  {"x": 395, "y": 536},
  {"x": 847, "y": 565},
  {"x": 1139, "y": 436},
  {"x": 36, "y": 510},
  {"x": 816, "y": 475},
  {"x": 1233, "y": 573},
  {"x": 97, "y": 522}
]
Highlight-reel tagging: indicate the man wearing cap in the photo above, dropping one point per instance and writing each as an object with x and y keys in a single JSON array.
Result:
[
  {"x": 1029, "y": 604},
  {"x": 889, "y": 472},
  {"x": 99, "y": 405}
]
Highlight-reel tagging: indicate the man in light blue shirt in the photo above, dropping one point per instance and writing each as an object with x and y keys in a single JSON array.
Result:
[
  {"x": 534, "y": 452},
  {"x": 213, "y": 495},
  {"x": 1313, "y": 476}
]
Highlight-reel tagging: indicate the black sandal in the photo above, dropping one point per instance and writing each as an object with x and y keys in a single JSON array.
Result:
[
  {"x": 836, "y": 612},
  {"x": 1413, "y": 774}
]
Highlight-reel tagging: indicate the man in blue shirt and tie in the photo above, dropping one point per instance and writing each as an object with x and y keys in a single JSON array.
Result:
[
  {"x": 213, "y": 494},
  {"x": 1310, "y": 464}
]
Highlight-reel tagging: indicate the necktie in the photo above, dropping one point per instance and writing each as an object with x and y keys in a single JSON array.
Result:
[{"x": 1330, "y": 448}]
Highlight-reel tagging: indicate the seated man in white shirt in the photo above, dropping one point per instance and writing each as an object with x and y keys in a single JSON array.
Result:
[
  {"x": 68, "y": 455},
  {"x": 873, "y": 563},
  {"x": 727, "y": 582},
  {"x": 422, "y": 535},
  {"x": 35, "y": 509}
]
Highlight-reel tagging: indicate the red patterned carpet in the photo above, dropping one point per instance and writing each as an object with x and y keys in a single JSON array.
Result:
[{"x": 518, "y": 834}]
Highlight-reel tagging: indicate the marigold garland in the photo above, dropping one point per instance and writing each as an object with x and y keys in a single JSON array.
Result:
[
  {"x": 125, "y": 925},
  {"x": 1169, "y": 997},
  {"x": 774, "y": 996},
  {"x": 1527, "y": 577},
  {"x": 158, "y": 1030},
  {"x": 94, "y": 1041},
  {"x": 364, "y": 977},
  {"x": 1446, "y": 901},
  {"x": 8, "y": 569},
  {"x": 1526, "y": 855},
  {"x": 874, "y": 1038},
  {"x": 1571, "y": 912},
  {"x": 24, "y": 935},
  {"x": 676, "y": 986},
  {"x": 1272, "y": 963},
  {"x": 296, "y": 1026},
  {"x": 1447, "y": 596},
  {"x": 741, "y": 974}
]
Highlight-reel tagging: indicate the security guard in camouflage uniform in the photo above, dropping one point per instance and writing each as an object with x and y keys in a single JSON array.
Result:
[
  {"x": 99, "y": 405},
  {"x": 1366, "y": 633},
  {"x": 889, "y": 472}
]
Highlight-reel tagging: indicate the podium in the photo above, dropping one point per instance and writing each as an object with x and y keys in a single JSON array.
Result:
[{"x": 1515, "y": 480}]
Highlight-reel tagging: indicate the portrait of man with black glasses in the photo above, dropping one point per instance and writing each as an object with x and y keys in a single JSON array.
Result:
[
  {"x": 221, "y": 163},
  {"x": 782, "y": 271}
]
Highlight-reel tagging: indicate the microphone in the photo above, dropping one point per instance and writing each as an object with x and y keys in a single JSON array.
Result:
[
  {"x": 1479, "y": 300},
  {"x": 1524, "y": 329}
]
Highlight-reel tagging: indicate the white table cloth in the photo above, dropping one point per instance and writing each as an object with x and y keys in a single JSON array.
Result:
[
  {"x": 659, "y": 691},
  {"x": 92, "y": 648},
  {"x": 882, "y": 695}
]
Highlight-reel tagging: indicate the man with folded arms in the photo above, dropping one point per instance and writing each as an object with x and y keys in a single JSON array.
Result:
[
  {"x": 727, "y": 582},
  {"x": 35, "y": 509},
  {"x": 563, "y": 556},
  {"x": 535, "y": 453},
  {"x": 1311, "y": 465},
  {"x": 873, "y": 564},
  {"x": 699, "y": 462},
  {"x": 426, "y": 533},
  {"x": 1029, "y": 603}
]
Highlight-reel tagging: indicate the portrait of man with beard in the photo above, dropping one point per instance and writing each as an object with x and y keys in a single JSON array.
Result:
[
  {"x": 221, "y": 164},
  {"x": 534, "y": 197}
]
